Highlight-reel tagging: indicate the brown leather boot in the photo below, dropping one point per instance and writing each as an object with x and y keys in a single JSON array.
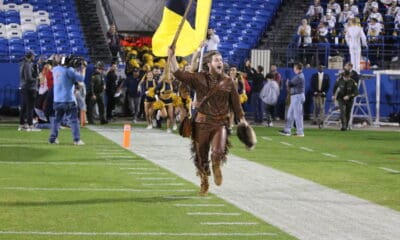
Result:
[
  {"x": 216, "y": 167},
  {"x": 204, "y": 185}
]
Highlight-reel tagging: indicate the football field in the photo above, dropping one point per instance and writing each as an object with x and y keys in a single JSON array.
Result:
[{"x": 102, "y": 191}]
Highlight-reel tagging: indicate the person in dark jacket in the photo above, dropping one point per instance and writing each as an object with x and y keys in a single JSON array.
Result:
[
  {"x": 95, "y": 94},
  {"x": 345, "y": 90},
  {"x": 132, "y": 93},
  {"x": 256, "y": 103},
  {"x": 319, "y": 89},
  {"x": 28, "y": 86},
  {"x": 111, "y": 89}
]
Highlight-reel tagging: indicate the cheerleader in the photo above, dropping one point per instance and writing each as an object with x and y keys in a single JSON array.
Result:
[
  {"x": 147, "y": 85},
  {"x": 164, "y": 95}
]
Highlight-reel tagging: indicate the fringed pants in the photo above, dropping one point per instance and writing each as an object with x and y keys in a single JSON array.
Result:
[{"x": 206, "y": 135}]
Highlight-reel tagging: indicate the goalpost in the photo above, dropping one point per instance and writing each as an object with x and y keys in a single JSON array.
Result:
[{"x": 378, "y": 74}]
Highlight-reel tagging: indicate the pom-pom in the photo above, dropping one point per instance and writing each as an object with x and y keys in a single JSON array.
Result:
[
  {"x": 151, "y": 92},
  {"x": 243, "y": 98},
  {"x": 157, "y": 105},
  {"x": 176, "y": 100},
  {"x": 246, "y": 135}
]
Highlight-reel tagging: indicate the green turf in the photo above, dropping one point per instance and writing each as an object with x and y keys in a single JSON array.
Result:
[
  {"x": 34, "y": 196},
  {"x": 375, "y": 148}
]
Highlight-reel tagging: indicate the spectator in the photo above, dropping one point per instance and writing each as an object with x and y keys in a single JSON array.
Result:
[
  {"x": 305, "y": 40},
  {"x": 212, "y": 42},
  {"x": 95, "y": 94},
  {"x": 269, "y": 95},
  {"x": 319, "y": 89},
  {"x": 28, "y": 86},
  {"x": 335, "y": 7},
  {"x": 296, "y": 88},
  {"x": 256, "y": 103},
  {"x": 111, "y": 89},
  {"x": 345, "y": 14},
  {"x": 353, "y": 7},
  {"x": 375, "y": 13},
  {"x": 315, "y": 12},
  {"x": 64, "y": 100},
  {"x": 113, "y": 41},
  {"x": 355, "y": 36}
]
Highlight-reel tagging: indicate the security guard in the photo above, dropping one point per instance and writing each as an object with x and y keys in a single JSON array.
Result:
[
  {"x": 345, "y": 90},
  {"x": 96, "y": 93}
]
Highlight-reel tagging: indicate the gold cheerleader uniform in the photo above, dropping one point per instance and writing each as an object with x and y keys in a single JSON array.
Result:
[
  {"x": 150, "y": 89},
  {"x": 165, "y": 90}
]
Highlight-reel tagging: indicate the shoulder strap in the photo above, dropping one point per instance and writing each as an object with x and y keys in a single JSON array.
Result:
[{"x": 210, "y": 93}]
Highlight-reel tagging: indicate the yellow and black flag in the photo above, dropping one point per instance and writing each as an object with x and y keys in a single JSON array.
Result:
[{"x": 194, "y": 28}]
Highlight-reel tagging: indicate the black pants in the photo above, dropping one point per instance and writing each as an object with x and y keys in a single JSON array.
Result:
[
  {"x": 90, "y": 106},
  {"x": 345, "y": 110},
  {"x": 114, "y": 52},
  {"x": 110, "y": 105},
  {"x": 28, "y": 97}
]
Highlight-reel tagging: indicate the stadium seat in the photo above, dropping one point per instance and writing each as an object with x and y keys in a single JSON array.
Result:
[
  {"x": 14, "y": 34},
  {"x": 28, "y": 27}
]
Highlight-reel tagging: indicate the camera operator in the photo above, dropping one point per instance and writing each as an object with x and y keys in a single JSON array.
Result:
[{"x": 65, "y": 75}]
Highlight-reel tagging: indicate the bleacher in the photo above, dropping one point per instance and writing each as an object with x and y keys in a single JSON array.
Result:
[
  {"x": 240, "y": 25},
  {"x": 381, "y": 50},
  {"x": 45, "y": 27}
]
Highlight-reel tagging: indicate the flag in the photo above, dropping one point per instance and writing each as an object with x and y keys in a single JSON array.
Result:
[{"x": 194, "y": 28}]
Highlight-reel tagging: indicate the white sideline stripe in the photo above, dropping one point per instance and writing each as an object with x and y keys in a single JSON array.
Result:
[
  {"x": 139, "y": 169},
  {"x": 198, "y": 205},
  {"x": 65, "y": 163},
  {"x": 186, "y": 197},
  {"x": 147, "y": 173},
  {"x": 228, "y": 223},
  {"x": 267, "y": 138},
  {"x": 93, "y": 189},
  {"x": 329, "y": 155},
  {"x": 163, "y": 184},
  {"x": 389, "y": 170},
  {"x": 112, "y": 156},
  {"x": 286, "y": 143},
  {"x": 135, "y": 234},
  {"x": 212, "y": 214},
  {"x": 357, "y": 162},
  {"x": 307, "y": 149},
  {"x": 159, "y": 179}
]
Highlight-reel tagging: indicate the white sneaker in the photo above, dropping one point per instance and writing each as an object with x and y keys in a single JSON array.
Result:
[
  {"x": 154, "y": 123},
  {"x": 174, "y": 128},
  {"x": 169, "y": 130},
  {"x": 134, "y": 121},
  {"x": 149, "y": 127},
  {"x": 55, "y": 142},
  {"x": 79, "y": 143},
  {"x": 270, "y": 124},
  {"x": 33, "y": 129},
  {"x": 21, "y": 128}
]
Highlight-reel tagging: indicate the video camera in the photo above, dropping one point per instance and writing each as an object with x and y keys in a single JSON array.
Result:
[{"x": 73, "y": 61}]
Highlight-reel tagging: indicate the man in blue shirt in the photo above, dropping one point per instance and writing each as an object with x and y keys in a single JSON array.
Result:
[
  {"x": 65, "y": 77},
  {"x": 296, "y": 87}
]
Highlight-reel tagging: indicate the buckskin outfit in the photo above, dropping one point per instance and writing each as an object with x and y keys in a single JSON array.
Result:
[{"x": 211, "y": 120}]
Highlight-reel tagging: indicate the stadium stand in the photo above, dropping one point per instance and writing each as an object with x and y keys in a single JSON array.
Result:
[{"x": 42, "y": 26}]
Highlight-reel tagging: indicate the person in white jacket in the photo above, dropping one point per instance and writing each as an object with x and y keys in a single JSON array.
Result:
[
  {"x": 269, "y": 95},
  {"x": 354, "y": 35}
]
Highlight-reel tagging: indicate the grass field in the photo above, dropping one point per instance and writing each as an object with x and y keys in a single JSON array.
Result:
[
  {"x": 102, "y": 191},
  {"x": 362, "y": 163}
]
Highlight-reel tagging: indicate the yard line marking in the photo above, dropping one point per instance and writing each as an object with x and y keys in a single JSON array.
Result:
[
  {"x": 228, "y": 223},
  {"x": 198, "y": 205},
  {"x": 139, "y": 168},
  {"x": 147, "y": 173},
  {"x": 163, "y": 184},
  {"x": 267, "y": 138},
  {"x": 307, "y": 149},
  {"x": 329, "y": 155},
  {"x": 66, "y": 163},
  {"x": 357, "y": 162},
  {"x": 286, "y": 143},
  {"x": 92, "y": 189},
  {"x": 186, "y": 197},
  {"x": 136, "y": 234},
  {"x": 160, "y": 179},
  {"x": 212, "y": 214},
  {"x": 389, "y": 170}
]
